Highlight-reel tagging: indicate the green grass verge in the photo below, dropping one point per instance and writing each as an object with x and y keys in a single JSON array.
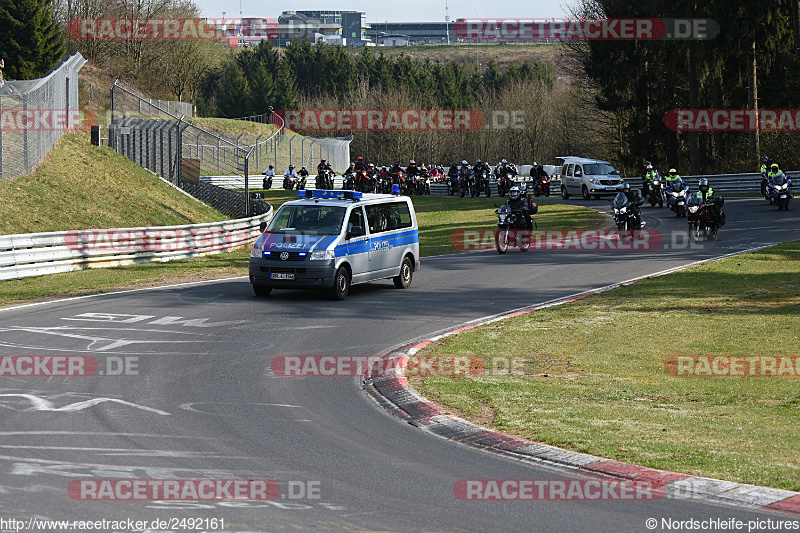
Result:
[
  {"x": 80, "y": 186},
  {"x": 438, "y": 218},
  {"x": 595, "y": 380}
]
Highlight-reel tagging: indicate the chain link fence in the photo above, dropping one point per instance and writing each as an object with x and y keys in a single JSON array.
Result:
[
  {"x": 34, "y": 114},
  {"x": 298, "y": 150},
  {"x": 177, "y": 150}
]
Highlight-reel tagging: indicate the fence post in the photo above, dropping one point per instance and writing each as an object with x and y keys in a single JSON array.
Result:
[
  {"x": 25, "y": 135},
  {"x": 247, "y": 184},
  {"x": 1, "y": 142}
]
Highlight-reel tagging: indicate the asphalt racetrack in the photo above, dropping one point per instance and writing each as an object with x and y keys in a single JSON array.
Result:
[{"x": 199, "y": 400}]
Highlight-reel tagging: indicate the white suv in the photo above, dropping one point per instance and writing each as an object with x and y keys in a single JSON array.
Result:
[{"x": 589, "y": 177}]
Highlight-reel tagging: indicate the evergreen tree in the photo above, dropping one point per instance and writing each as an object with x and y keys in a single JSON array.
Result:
[{"x": 31, "y": 42}]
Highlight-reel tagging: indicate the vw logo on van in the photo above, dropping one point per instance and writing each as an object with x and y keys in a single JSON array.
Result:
[{"x": 284, "y": 256}]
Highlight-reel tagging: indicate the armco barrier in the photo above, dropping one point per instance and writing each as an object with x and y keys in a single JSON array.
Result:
[{"x": 36, "y": 254}]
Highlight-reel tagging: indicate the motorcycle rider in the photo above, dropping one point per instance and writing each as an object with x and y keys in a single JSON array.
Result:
[
  {"x": 712, "y": 201},
  {"x": 635, "y": 199},
  {"x": 452, "y": 175},
  {"x": 649, "y": 175},
  {"x": 412, "y": 170},
  {"x": 481, "y": 167},
  {"x": 537, "y": 173},
  {"x": 670, "y": 180},
  {"x": 504, "y": 167},
  {"x": 269, "y": 174},
  {"x": 290, "y": 173},
  {"x": 766, "y": 165},
  {"x": 324, "y": 166},
  {"x": 519, "y": 201},
  {"x": 360, "y": 164}
]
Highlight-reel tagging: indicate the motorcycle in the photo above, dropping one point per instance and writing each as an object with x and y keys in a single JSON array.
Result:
[
  {"x": 542, "y": 187},
  {"x": 514, "y": 227},
  {"x": 626, "y": 213},
  {"x": 466, "y": 184},
  {"x": 655, "y": 194},
  {"x": 701, "y": 224},
  {"x": 267, "y": 183},
  {"x": 504, "y": 184},
  {"x": 482, "y": 185},
  {"x": 422, "y": 184},
  {"x": 780, "y": 192},
  {"x": 452, "y": 184},
  {"x": 676, "y": 201},
  {"x": 348, "y": 182},
  {"x": 300, "y": 182},
  {"x": 323, "y": 181},
  {"x": 289, "y": 182}
]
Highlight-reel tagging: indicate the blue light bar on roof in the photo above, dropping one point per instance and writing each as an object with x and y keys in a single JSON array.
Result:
[{"x": 330, "y": 195}]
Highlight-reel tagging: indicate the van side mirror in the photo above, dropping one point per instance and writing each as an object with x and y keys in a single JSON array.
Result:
[
  {"x": 355, "y": 231},
  {"x": 262, "y": 227}
]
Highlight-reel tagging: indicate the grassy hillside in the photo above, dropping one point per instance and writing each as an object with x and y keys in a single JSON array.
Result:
[{"x": 80, "y": 186}]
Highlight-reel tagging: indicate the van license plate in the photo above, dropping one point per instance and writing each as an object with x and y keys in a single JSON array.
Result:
[{"x": 283, "y": 276}]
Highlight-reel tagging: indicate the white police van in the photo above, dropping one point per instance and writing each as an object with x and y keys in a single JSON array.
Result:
[{"x": 334, "y": 239}]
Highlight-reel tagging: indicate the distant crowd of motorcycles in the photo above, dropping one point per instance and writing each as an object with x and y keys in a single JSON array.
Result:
[
  {"x": 702, "y": 209},
  {"x": 463, "y": 180}
]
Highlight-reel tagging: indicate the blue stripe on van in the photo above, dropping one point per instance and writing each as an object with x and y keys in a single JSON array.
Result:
[{"x": 395, "y": 240}]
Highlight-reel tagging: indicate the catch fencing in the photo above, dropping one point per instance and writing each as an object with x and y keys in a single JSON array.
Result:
[
  {"x": 36, "y": 254},
  {"x": 298, "y": 150},
  {"x": 181, "y": 152},
  {"x": 22, "y": 149}
]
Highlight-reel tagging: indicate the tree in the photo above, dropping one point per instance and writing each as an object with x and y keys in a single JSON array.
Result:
[{"x": 31, "y": 41}]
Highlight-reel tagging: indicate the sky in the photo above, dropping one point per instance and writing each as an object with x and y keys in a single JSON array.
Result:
[{"x": 392, "y": 11}]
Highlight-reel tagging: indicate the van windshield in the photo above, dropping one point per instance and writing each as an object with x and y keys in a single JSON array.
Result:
[
  {"x": 308, "y": 219},
  {"x": 600, "y": 169}
]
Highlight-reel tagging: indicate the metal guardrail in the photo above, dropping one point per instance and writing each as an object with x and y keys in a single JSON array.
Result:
[{"x": 36, "y": 254}]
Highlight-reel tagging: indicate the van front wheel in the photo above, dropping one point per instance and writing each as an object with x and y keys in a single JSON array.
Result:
[
  {"x": 341, "y": 284},
  {"x": 403, "y": 281}
]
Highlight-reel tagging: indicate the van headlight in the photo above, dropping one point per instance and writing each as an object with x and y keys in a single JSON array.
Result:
[
  {"x": 322, "y": 255},
  {"x": 256, "y": 252}
]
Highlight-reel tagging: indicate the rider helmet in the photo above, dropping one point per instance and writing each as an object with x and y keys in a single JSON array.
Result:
[
  {"x": 626, "y": 186},
  {"x": 672, "y": 172},
  {"x": 775, "y": 167},
  {"x": 504, "y": 161},
  {"x": 765, "y": 159},
  {"x": 703, "y": 183},
  {"x": 464, "y": 162},
  {"x": 514, "y": 193}
]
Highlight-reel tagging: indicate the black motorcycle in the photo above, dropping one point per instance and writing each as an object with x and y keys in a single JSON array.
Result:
[
  {"x": 482, "y": 184},
  {"x": 466, "y": 184},
  {"x": 626, "y": 213},
  {"x": 655, "y": 192},
  {"x": 267, "y": 183},
  {"x": 348, "y": 182},
  {"x": 514, "y": 227}
]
